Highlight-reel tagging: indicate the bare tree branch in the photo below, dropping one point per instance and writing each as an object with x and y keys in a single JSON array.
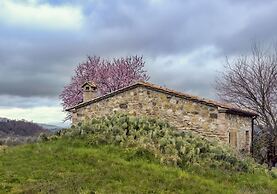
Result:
[{"x": 251, "y": 82}]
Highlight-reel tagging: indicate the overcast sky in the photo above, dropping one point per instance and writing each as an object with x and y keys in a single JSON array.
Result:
[{"x": 184, "y": 44}]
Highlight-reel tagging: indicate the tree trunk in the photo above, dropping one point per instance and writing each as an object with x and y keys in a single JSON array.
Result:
[{"x": 271, "y": 156}]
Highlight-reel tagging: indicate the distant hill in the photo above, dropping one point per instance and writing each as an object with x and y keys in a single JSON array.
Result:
[
  {"x": 52, "y": 128},
  {"x": 3, "y": 119},
  {"x": 19, "y": 128}
]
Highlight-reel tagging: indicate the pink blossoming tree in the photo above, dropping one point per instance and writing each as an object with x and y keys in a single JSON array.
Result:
[{"x": 108, "y": 75}]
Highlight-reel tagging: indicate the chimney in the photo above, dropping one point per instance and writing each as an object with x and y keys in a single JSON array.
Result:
[{"x": 89, "y": 91}]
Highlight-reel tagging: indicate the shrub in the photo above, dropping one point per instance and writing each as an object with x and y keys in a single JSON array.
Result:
[
  {"x": 16, "y": 140},
  {"x": 164, "y": 142},
  {"x": 43, "y": 137},
  {"x": 141, "y": 153}
]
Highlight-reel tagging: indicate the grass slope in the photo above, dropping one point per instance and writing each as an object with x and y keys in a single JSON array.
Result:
[{"x": 71, "y": 166}]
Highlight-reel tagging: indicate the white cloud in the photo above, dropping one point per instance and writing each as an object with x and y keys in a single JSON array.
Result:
[
  {"x": 36, "y": 114},
  {"x": 36, "y": 15}
]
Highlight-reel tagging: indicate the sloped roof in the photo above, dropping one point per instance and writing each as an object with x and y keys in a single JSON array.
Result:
[
  {"x": 91, "y": 84},
  {"x": 228, "y": 107}
]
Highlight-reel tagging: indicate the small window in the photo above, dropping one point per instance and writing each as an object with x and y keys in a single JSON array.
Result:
[
  {"x": 233, "y": 138},
  {"x": 247, "y": 136},
  {"x": 87, "y": 88}
]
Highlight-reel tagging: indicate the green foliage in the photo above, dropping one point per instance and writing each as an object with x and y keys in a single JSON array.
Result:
[
  {"x": 43, "y": 137},
  {"x": 168, "y": 145},
  {"x": 70, "y": 165},
  {"x": 273, "y": 173},
  {"x": 141, "y": 154}
]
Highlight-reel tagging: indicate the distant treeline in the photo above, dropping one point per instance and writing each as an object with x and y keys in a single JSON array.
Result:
[{"x": 15, "y": 128}]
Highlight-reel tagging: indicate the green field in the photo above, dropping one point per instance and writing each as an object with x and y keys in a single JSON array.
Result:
[{"x": 71, "y": 166}]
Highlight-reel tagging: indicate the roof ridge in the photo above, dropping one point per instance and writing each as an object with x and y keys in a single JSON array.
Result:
[
  {"x": 209, "y": 101},
  {"x": 228, "y": 106}
]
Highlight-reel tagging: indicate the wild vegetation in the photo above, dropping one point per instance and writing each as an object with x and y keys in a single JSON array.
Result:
[
  {"x": 168, "y": 145},
  {"x": 70, "y": 165},
  {"x": 125, "y": 154}
]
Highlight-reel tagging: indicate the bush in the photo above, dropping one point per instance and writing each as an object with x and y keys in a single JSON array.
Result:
[
  {"x": 43, "y": 137},
  {"x": 141, "y": 153},
  {"x": 164, "y": 142},
  {"x": 16, "y": 140}
]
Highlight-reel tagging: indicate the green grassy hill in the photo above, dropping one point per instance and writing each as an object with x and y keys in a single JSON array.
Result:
[
  {"x": 125, "y": 154},
  {"x": 71, "y": 166}
]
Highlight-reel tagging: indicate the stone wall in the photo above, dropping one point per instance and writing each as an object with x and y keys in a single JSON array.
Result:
[
  {"x": 207, "y": 120},
  {"x": 242, "y": 127}
]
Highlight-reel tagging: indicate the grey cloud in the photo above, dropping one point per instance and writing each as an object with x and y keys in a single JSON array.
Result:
[
  {"x": 259, "y": 27},
  {"x": 38, "y": 66},
  {"x": 193, "y": 73},
  {"x": 7, "y": 101},
  {"x": 178, "y": 26},
  {"x": 38, "y": 62}
]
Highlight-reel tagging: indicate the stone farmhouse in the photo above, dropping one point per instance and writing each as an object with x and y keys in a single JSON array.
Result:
[{"x": 223, "y": 122}]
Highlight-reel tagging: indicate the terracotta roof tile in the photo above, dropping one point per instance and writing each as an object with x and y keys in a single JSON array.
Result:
[{"x": 229, "y": 107}]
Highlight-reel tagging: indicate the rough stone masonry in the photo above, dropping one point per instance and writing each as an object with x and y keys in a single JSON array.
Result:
[{"x": 223, "y": 122}]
